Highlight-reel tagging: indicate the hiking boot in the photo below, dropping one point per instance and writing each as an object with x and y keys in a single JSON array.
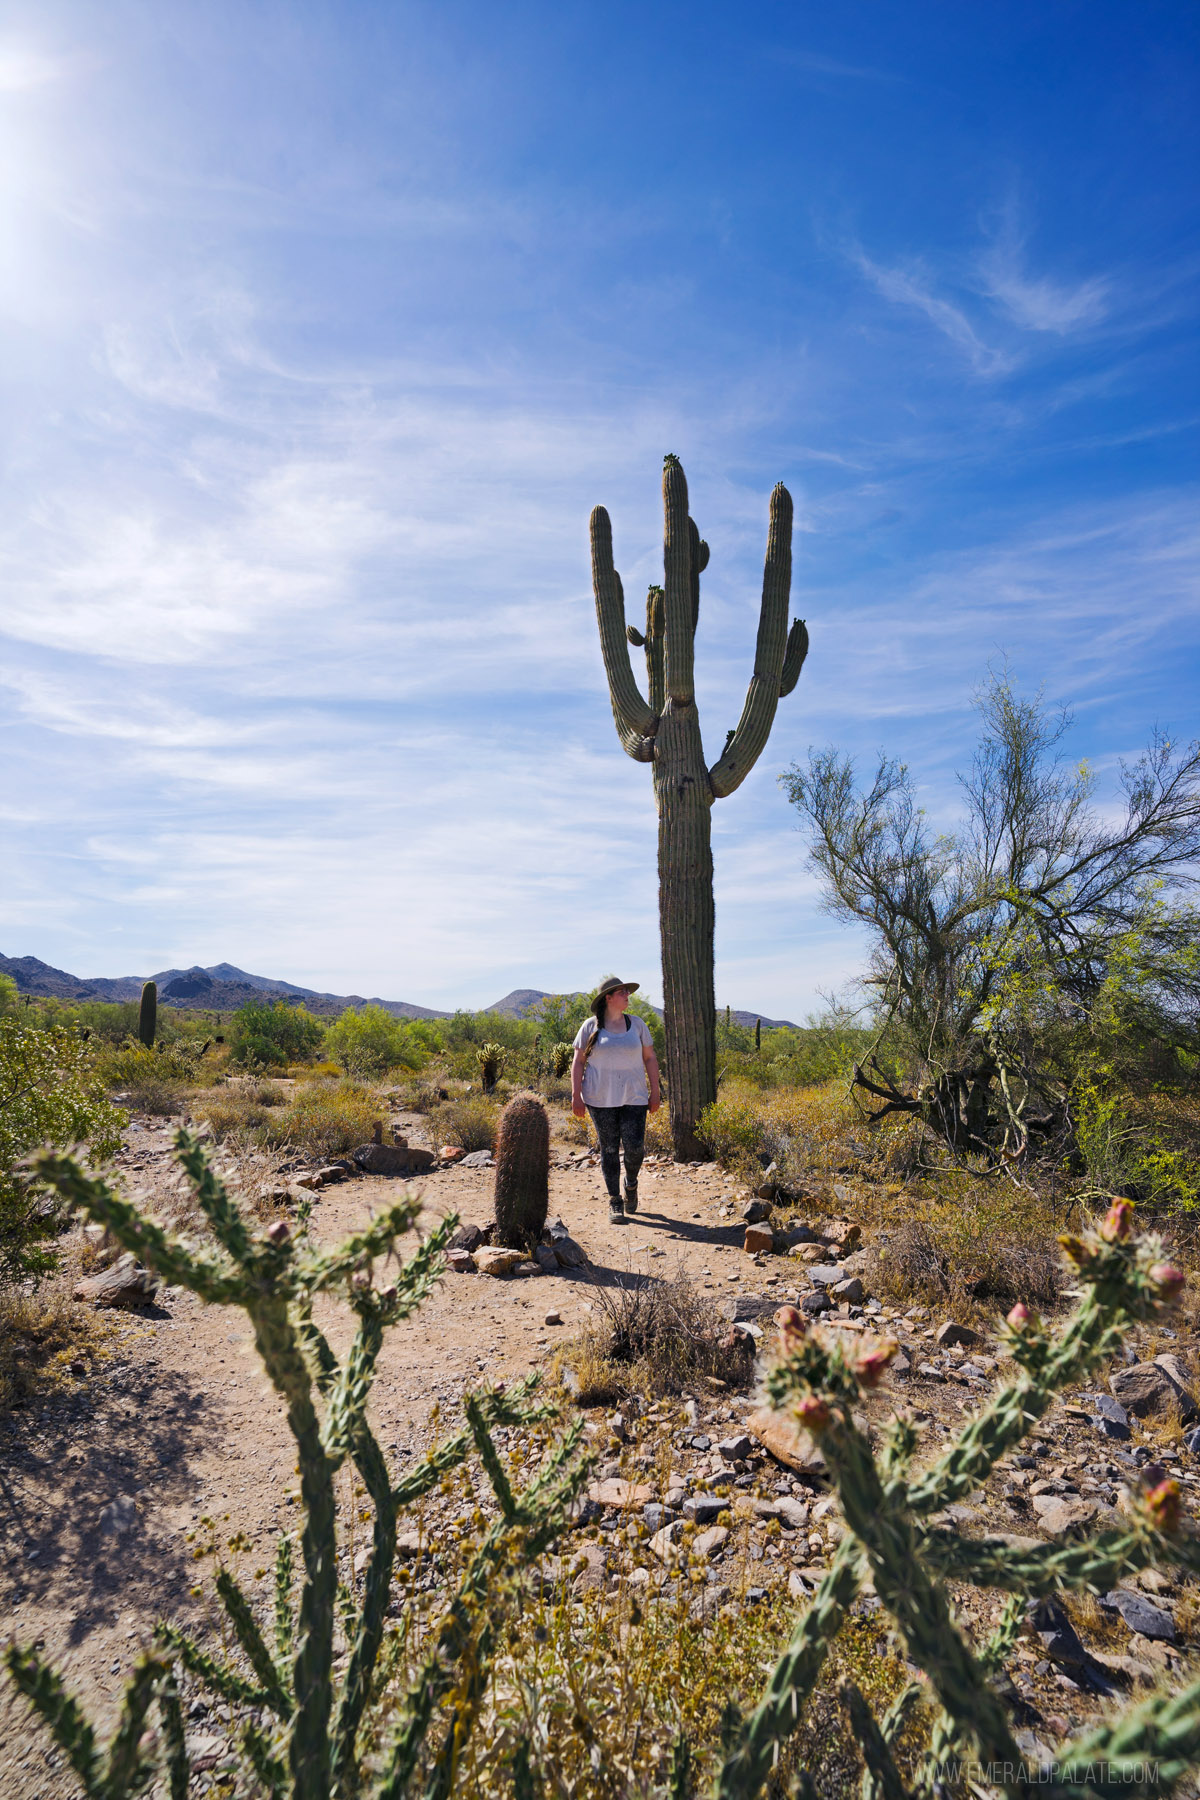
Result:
[
  {"x": 631, "y": 1196},
  {"x": 616, "y": 1212}
]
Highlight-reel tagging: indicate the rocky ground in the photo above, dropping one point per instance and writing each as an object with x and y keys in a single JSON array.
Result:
[{"x": 102, "y": 1488}]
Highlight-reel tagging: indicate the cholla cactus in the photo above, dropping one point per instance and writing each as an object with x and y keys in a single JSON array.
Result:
[
  {"x": 891, "y": 1536},
  {"x": 300, "y": 1734},
  {"x": 522, "y": 1172},
  {"x": 490, "y": 1058},
  {"x": 560, "y": 1060}
]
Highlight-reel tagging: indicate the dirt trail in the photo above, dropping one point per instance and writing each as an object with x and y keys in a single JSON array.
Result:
[{"x": 99, "y": 1488}]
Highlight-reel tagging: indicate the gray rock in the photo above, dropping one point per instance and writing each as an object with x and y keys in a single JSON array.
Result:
[
  {"x": 850, "y": 1291},
  {"x": 392, "y": 1159},
  {"x": 704, "y": 1509},
  {"x": 815, "y": 1303},
  {"x": 792, "y": 1513},
  {"x": 567, "y": 1253},
  {"x": 656, "y": 1516},
  {"x": 825, "y": 1275},
  {"x": 1141, "y": 1614},
  {"x": 701, "y": 1441},
  {"x": 736, "y": 1449},
  {"x": 746, "y": 1309},
  {"x": 755, "y": 1211},
  {"x": 1108, "y": 1408},
  {"x": 478, "y": 1159},
  {"x": 469, "y": 1237},
  {"x": 1109, "y": 1428},
  {"x": 1147, "y": 1390},
  {"x": 119, "y": 1516},
  {"x": 1062, "y": 1516},
  {"x": 546, "y": 1260},
  {"x": 125, "y": 1284},
  {"x": 954, "y": 1333}
]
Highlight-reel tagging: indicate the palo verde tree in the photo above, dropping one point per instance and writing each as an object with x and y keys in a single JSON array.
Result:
[
  {"x": 1002, "y": 950},
  {"x": 664, "y": 730}
]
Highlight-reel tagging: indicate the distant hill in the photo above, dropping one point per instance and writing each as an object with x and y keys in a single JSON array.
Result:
[{"x": 222, "y": 987}]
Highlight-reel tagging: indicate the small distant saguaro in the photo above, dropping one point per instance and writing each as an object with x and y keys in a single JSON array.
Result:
[
  {"x": 664, "y": 730},
  {"x": 148, "y": 1014}
]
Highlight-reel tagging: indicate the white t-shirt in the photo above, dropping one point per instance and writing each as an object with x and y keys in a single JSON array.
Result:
[{"x": 615, "y": 1073}]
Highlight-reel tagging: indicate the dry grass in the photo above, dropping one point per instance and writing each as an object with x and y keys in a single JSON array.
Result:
[
  {"x": 48, "y": 1343},
  {"x": 326, "y": 1118},
  {"x": 471, "y": 1123},
  {"x": 658, "y": 1338}
]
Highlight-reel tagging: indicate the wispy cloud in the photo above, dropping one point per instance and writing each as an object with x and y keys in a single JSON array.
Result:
[
  {"x": 811, "y": 62},
  {"x": 1038, "y": 303},
  {"x": 910, "y": 286},
  {"x": 22, "y": 67}
]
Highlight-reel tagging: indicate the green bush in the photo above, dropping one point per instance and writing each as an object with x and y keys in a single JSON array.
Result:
[
  {"x": 732, "y": 1129},
  {"x": 366, "y": 1040},
  {"x": 50, "y": 1092},
  {"x": 272, "y": 1034}
]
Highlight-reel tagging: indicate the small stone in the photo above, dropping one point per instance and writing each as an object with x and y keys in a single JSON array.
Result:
[
  {"x": 126, "y": 1284},
  {"x": 930, "y": 1372},
  {"x": 825, "y": 1275},
  {"x": 792, "y": 1513},
  {"x": 460, "y": 1262},
  {"x": 1140, "y": 1614},
  {"x": 710, "y": 1541},
  {"x": 655, "y": 1516},
  {"x": 665, "y": 1542},
  {"x": 797, "y": 1586},
  {"x": 842, "y": 1232},
  {"x": 477, "y": 1159},
  {"x": 953, "y": 1333},
  {"x": 469, "y": 1237},
  {"x": 619, "y": 1495},
  {"x": 567, "y": 1253},
  {"x": 119, "y": 1516},
  {"x": 451, "y": 1153},
  {"x": 1062, "y": 1516},
  {"x": 759, "y": 1239},
  {"x": 701, "y": 1442},
  {"x": 755, "y": 1211},
  {"x": 553, "y": 1318},
  {"x": 736, "y": 1449},
  {"x": 548, "y": 1263},
  {"x": 590, "y": 1567},
  {"x": 787, "y": 1441},
  {"x": 1109, "y": 1428},
  {"x": 704, "y": 1509},
  {"x": 492, "y": 1259},
  {"x": 815, "y": 1303},
  {"x": 850, "y": 1291}
]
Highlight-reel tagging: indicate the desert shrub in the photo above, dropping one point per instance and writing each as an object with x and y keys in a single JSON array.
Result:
[
  {"x": 41, "y": 1335},
  {"x": 471, "y": 1123},
  {"x": 366, "y": 1040},
  {"x": 272, "y": 1034},
  {"x": 232, "y": 1112},
  {"x": 50, "y": 1092},
  {"x": 424, "y": 1096},
  {"x": 1126, "y": 1149},
  {"x": 732, "y": 1128},
  {"x": 656, "y": 1337},
  {"x": 326, "y": 1118}
]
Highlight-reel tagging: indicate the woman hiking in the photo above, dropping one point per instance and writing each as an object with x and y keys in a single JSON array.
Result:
[{"x": 614, "y": 1076}]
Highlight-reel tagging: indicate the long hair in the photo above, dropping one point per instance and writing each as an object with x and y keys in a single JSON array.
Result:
[{"x": 599, "y": 1013}]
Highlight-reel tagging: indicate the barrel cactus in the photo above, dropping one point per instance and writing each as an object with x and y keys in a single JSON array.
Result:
[
  {"x": 490, "y": 1058},
  {"x": 522, "y": 1172},
  {"x": 148, "y": 1014}
]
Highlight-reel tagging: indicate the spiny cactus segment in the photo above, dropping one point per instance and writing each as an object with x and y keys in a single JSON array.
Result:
[
  {"x": 892, "y": 1538},
  {"x": 490, "y": 1058},
  {"x": 522, "y": 1172},
  {"x": 299, "y": 1729}
]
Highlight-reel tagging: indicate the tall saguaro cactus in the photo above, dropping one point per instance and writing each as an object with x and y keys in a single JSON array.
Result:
[
  {"x": 664, "y": 730},
  {"x": 148, "y": 1013}
]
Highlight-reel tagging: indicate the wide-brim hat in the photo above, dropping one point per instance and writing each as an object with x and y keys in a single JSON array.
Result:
[{"x": 610, "y": 984}]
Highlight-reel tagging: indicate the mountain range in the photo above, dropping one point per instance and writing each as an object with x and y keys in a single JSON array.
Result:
[{"x": 222, "y": 988}]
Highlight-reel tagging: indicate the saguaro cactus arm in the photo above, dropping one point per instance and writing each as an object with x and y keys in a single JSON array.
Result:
[
  {"x": 680, "y": 606},
  {"x": 793, "y": 657},
  {"x": 766, "y": 684},
  {"x": 635, "y": 721}
]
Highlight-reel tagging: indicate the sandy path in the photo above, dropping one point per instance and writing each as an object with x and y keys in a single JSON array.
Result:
[{"x": 182, "y": 1422}]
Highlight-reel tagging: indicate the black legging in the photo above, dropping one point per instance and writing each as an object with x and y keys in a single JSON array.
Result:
[{"x": 620, "y": 1128}]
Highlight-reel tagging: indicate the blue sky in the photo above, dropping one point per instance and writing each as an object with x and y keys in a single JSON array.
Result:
[{"x": 324, "y": 327}]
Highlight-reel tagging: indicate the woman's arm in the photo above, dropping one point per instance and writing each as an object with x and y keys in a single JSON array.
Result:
[
  {"x": 577, "y": 1065},
  {"x": 651, "y": 1062}
]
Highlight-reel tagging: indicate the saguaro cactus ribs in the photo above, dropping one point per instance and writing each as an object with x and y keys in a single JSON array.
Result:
[{"x": 665, "y": 730}]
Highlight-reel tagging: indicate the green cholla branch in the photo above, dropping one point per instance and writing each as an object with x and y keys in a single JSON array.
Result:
[
  {"x": 490, "y": 1058},
  {"x": 313, "y": 1753},
  {"x": 815, "y": 1379}
]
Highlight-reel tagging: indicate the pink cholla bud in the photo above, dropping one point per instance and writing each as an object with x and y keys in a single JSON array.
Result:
[
  {"x": 1081, "y": 1254},
  {"x": 279, "y": 1232},
  {"x": 1169, "y": 1280},
  {"x": 792, "y": 1327},
  {"x": 388, "y": 1294},
  {"x": 1118, "y": 1221},
  {"x": 814, "y": 1412},
  {"x": 360, "y": 1280},
  {"x": 1020, "y": 1316},
  {"x": 1164, "y": 1503},
  {"x": 872, "y": 1364}
]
